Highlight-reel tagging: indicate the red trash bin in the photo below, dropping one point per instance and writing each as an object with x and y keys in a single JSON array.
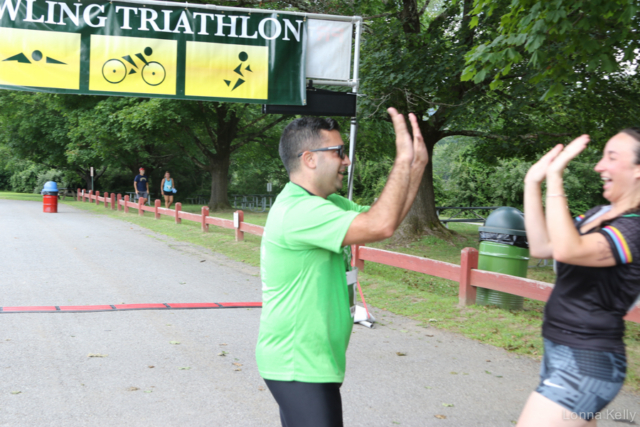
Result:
[
  {"x": 50, "y": 197},
  {"x": 50, "y": 204}
]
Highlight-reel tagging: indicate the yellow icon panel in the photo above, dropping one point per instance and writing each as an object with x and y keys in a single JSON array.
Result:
[
  {"x": 135, "y": 65},
  {"x": 227, "y": 71},
  {"x": 39, "y": 58}
]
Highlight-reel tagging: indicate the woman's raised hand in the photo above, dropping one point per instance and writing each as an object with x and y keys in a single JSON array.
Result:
[
  {"x": 538, "y": 171},
  {"x": 569, "y": 153}
]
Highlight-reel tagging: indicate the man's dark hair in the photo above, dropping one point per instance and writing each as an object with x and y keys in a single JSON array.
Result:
[{"x": 300, "y": 135}]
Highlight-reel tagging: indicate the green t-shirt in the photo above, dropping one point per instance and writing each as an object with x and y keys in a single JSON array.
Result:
[{"x": 306, "y": 321}]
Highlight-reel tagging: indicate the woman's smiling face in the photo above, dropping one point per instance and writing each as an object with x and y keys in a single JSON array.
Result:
[{"x": 618, "y": 168}]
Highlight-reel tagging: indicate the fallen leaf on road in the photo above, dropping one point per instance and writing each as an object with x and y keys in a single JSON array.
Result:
[
  {"x": 133, "y": 389},
  {"x": 221, "y": 344},
  {"x": 148, "y": 391},
  {"x": 238, "y": 369},
  {"x": 97, "y": 355},
  {"x": 488, "y": 360},
  {"x": 448, "y": 405},
  {"x": 487, "y": 372},
  {"x": 453, "y": 373},
  {"x": 238, "y": 364},
  {"x": 16, "y": 392},
  {"x": 203, "y": 260},
  {"x": 428, "y": 336},
  {"x": 174, "y": 342},
  {"x": 399, "y": 353},
  {"x": 185, "y": 368},
  {"x": 223, "y": 353},
  {"x": 441, "y": 417},
  {"x": 151, "y": 366}
]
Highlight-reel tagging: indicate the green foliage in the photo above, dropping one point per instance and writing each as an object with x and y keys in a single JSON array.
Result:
[
  {"x": 469, "y": 181},
  {"x": 54, "y": 175},
  {"x": 255, "y": 165},
  {"x": 26, "y": 180},
  {"x": 469, "y": 184},
  {"x": 554, "y": 42},
  {"x": 371, "y": 179}
]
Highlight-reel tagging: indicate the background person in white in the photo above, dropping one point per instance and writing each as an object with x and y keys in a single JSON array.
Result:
[{"x": 306, "y": 319}]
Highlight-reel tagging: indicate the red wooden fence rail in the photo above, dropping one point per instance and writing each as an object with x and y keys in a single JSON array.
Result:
[{"x": 466, "y": 274}]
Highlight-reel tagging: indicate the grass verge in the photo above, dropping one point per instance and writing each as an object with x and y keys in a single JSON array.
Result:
[{"x": 430, "y": 300}]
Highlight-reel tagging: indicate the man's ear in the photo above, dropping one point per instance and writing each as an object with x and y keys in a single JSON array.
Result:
[{"x": 309, "y": 160}]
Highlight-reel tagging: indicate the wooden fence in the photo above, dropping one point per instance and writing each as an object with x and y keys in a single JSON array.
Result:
[{"x": 466, "y": 274}]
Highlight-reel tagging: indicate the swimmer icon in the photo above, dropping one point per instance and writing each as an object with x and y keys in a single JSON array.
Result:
[{"x": 115, "y": 70}]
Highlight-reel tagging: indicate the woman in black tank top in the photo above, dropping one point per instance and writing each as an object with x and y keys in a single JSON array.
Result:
[{"x": 598, "y": 281}]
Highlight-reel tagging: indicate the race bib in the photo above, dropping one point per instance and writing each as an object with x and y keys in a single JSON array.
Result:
[{"x": 352, "y": 280}]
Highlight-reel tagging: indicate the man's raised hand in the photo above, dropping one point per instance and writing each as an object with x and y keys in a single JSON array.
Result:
[
  {"x": 404, "y": 144},
  {"x": 420, "y": 154}
]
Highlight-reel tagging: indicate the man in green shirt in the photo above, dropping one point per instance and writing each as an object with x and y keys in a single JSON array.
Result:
[{"x": 307, "y": 313}]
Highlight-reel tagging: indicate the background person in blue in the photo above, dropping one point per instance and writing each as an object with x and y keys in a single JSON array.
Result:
[{"x": 141, "y": 185}]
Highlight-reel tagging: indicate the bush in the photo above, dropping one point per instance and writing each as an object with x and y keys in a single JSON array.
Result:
[
  {"x": 471, "y": 182},
  {"x": 26, "y": 180},
  {"x": 50, "y": 175}
]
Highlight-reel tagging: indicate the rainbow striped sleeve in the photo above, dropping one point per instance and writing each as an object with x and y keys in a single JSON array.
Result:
[
  {"x": 621, "y": 246},
  {"x": 579, "y": 218}
]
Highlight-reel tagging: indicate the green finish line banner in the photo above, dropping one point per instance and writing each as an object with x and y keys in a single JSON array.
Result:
[{"x": 130, "y": 49}]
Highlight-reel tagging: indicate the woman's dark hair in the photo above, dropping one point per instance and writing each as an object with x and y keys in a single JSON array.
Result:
[
  {"x": 300, "y": 135},
  {"x": 634, "y": 132}
]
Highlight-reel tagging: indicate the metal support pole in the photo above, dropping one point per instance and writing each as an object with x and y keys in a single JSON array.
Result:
[
  {"x": 352, "y": 154},
  {"x": 353, "y": 132}
]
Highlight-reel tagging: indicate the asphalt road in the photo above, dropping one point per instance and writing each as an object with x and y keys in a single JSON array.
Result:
[{"x": 143, "y": 379}]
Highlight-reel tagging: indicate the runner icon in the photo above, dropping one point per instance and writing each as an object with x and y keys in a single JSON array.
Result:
[
  {"x": 243, "y": 56},
  {"x": 115, "y": 71}
]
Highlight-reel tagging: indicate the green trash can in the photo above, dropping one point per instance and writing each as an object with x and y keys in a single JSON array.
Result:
[{"x": 503, "y": 249}]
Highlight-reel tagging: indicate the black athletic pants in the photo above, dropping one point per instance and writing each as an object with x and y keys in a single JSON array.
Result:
[{"x": 307, "y": 404}]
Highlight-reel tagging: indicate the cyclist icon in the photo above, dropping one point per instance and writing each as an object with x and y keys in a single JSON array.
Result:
[{"x": 115, "y": 71}]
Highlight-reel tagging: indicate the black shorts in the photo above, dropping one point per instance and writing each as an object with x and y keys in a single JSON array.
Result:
[
  {"x": 167, "y": 193},
  {"x": 582, "y": 381},
  {"x": 308, "y": 404}
]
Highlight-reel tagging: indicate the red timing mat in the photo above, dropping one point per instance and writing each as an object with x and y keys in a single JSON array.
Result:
[{"x": 127, "y": 307}]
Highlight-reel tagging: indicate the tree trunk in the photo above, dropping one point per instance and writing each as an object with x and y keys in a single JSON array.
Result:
[
  {"x": 219, "y": 183},
  {"x": 87, "y": 180}
]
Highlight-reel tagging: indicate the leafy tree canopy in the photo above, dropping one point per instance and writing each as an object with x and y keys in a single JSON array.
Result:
[{"x": 555, "y": 43}]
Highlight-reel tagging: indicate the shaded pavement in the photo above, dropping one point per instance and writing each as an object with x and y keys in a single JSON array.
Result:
[{"x": 197, "y": 367}]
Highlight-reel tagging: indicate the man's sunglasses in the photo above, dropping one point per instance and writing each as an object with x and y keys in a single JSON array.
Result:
[{"x": 338, "y": 148}]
